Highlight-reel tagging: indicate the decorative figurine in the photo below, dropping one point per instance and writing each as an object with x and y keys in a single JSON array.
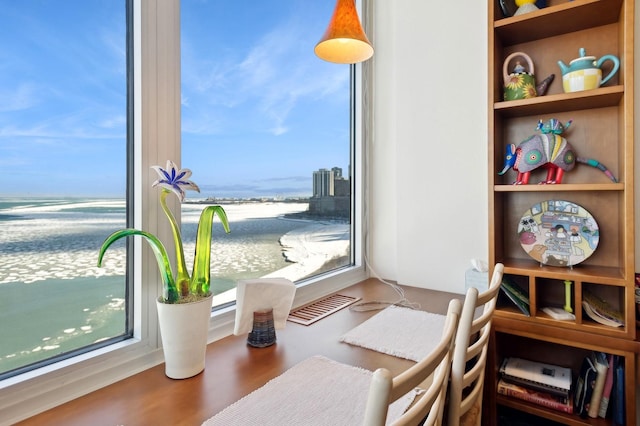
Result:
[
  {"x": 520, "y": 84},
  {"x": 525, "y": 6},
  {"x": 542, "y": 88},
  {"x": 567, "y": 296},
  {"x": 548, "y": 150},
  {"x": 585, "y": 72}
]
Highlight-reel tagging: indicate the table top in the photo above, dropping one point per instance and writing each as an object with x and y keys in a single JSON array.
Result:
[{"x": 234, "y": 369}]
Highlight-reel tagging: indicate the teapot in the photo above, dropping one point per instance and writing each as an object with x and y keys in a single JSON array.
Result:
[
  {"x": 585, "y": 73},
  {"x": 520, "y": 84}
]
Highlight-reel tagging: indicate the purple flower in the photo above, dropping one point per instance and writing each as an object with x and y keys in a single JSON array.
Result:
[{"x": 174, "y": 180}]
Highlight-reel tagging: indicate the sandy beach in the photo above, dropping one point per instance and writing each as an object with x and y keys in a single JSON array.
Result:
[{"x": 311, "y": 247}]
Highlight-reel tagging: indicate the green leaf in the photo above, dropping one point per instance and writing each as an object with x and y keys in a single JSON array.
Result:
[
  {"x": 182, "y": 277},
  {"x": 200, "y": 278},
  {"x": 169, "y": 290}
]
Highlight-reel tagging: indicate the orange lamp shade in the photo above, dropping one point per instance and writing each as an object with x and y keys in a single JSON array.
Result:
[{"x": 344, "y": 41}]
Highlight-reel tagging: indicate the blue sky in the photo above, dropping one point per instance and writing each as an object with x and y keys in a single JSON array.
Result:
[{"x": 260, "y": 112}]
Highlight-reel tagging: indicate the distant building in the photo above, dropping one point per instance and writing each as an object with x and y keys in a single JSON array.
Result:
[
  {"x": 342, "y": 188},
  {"x": 331, "y": 194},
  {"x": 323, "y": 183}
]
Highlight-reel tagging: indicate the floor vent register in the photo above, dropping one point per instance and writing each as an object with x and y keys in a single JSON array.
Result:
[{"x": 315, "y": 311}]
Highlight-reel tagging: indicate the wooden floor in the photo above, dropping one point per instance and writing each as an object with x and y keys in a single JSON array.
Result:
[{"x": 234, "y": 369}]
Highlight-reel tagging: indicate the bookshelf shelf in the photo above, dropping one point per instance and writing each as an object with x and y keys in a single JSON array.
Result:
[
  {"x": 566, "y": 419},
  {"x": 564, "y": 348},
  {"x": 603, "y": 129}
]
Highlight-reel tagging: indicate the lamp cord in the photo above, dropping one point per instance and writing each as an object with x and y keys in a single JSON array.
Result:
[
  {"x": 368, "y": 138},
  {"x": 375, "y": 305}
]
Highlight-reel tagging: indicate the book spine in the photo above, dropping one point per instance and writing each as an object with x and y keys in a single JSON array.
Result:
[
  {"x": 608, "y": 386},
  {"x": 540, "y": 387},
  {"x": 598, "y": 387},
  {"x": 618, "y": 399},
  {"x": 539, "y": 398},
  {"x": 583, "y": 387}
]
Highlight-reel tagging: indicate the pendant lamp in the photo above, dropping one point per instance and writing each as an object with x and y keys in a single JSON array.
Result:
[{"x": 344, "y": 41}]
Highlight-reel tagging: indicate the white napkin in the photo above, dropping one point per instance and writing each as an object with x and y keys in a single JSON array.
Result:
[{"x": 263, "y": 293}]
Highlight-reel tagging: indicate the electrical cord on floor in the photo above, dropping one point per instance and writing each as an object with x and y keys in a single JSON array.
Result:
[{"x": 375, "y": 305}]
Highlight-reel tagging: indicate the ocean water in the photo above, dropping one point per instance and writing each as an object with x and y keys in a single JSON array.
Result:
[
  {"x": 51, "y": 239},
  {"x": 53, "y": 297}
]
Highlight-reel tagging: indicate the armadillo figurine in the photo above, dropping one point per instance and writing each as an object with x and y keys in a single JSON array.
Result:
[{"x": 548, "y": 150}]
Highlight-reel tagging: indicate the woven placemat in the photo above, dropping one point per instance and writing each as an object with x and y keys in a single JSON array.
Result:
[
  {"x": 402, "y": 332},
  {"x": 316, "y": 392}
]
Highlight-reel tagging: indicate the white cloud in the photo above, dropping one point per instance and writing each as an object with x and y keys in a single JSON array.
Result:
[
  {"x": 272, "y": 77},
  {"x": 24, "y": 96}
]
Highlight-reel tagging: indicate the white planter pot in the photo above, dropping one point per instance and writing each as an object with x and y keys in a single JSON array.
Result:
[{"x": 184, "y": 328}]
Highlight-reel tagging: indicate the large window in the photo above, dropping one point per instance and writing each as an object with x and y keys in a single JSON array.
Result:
[
  {"x": 63, "y": 144},
  {"x": 269, "y": 131},
  {"x": 266, "y": 131}
]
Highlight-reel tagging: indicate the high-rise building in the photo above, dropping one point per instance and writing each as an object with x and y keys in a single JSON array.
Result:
[
  {"x": 331, "y": 194},
  {"x": 323, "y": 183}
]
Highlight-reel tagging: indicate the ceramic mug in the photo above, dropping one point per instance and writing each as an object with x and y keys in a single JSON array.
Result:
[{"x": 587, "y": 79}]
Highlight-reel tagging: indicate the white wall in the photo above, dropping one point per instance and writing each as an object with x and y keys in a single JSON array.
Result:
[
  {"x": 428, "y": 176},
  {"x": 428, "y": 209}
]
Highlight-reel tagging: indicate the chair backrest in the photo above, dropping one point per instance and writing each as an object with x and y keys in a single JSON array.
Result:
[
  {"x": 470, "y": 354},
  {"x": 385, "y": 389}
]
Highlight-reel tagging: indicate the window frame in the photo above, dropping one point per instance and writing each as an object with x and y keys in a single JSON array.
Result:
[{"x": 155, "y": 31}]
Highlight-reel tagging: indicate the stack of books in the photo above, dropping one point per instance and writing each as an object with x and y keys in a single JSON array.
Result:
[
  {"x": 539, "y": 383},
  {"x": 600, "y": 388}
]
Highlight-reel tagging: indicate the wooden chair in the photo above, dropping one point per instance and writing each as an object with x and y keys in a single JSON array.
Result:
[
  {"x": 386, "y": 389},
  {"x": 470, "y": 354}
]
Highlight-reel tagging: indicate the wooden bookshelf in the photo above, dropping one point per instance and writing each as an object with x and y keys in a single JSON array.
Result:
[{"x": 602, "y": 128}]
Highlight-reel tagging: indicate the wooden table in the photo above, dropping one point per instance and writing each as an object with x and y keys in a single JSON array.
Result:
[{"x": 234, "y": 369}]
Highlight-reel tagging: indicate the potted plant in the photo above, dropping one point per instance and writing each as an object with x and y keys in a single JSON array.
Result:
[{"x": 185, "y": 305}]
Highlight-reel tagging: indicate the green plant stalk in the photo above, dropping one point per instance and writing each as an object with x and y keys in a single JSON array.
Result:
[
  {"x": 182, "y": 277},
  {"x": 180, "y": 287},
  {"x": 200, "y": 279},
  {"x": 169, "y": 290}
]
